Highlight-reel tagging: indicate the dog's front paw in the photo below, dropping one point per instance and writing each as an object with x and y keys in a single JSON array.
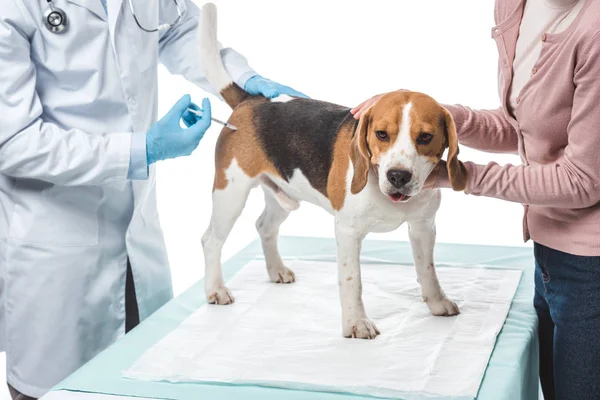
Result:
[
  {"x": 443, "y": 307},
  {"x": 282, "y": 275},
  {"x": 362, "y": 328},
  {"x": 221, "y": 296}
]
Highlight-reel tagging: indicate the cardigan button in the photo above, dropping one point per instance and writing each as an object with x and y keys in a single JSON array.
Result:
[
  {"x": 544, "y": 37},
  {"x": 534, "y": 71}
]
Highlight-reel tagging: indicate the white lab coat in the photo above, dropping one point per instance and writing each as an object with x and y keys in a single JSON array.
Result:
[{"x": 69, "y": 217}]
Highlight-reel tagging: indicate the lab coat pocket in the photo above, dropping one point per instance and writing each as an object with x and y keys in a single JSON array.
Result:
[
  {"x": 144, "y": 44},
  {"x": 56, "y": 215}
]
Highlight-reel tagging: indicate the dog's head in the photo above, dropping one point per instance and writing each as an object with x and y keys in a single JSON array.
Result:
[{"x": 403, "y": 137}]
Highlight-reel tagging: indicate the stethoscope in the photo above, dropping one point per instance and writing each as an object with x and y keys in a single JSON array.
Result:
[{"x": 55, "y": 19}]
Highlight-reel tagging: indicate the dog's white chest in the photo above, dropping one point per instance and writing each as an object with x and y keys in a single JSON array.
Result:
[
  {"x": 372, "y": 211},
  {"x": 383, "y": 225}
]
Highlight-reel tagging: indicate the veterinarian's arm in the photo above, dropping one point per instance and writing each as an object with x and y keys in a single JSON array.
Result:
[
  {"x": 179, "y": 48},
  {"x": 33, "y": 148},
  {"x": 485, "y": 130},
  {"x": 573, "y": 181}
]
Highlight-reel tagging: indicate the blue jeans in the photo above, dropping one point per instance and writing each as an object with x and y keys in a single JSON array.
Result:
[{"x": 567, "y": 302}]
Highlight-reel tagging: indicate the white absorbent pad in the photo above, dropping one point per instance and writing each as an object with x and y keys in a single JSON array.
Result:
[{"x": 290, "y": 336}]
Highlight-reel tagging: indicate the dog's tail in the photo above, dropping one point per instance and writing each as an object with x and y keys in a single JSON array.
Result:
[{"x": 212, "y": 65}]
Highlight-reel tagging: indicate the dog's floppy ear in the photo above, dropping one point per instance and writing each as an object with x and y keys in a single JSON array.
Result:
[
  {"x": 457, "y": 173},
  {"x": 359, "y": 153}
]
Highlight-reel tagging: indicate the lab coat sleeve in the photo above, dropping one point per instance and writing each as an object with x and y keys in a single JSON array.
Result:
[
  {"x": 138, "y": 161},
  {"x": 180, "y": 54},
  {"x": 32, "y": 148}
]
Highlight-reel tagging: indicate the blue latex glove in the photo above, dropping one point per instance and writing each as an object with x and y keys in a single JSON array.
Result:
[
  {"x": 190, "y": 118},
  {"x": 257, "y": 85},
  {"x": 167, "y": 139}
]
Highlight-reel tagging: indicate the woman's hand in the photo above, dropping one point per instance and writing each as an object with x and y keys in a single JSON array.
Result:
[
  {"x": 364, "y": 106},
  {"x": 440, "y": 170}
]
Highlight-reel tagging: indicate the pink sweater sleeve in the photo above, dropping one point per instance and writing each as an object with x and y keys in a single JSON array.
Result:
[
  {"x": 485, "y": 130},
  {"x": 573, "y": 181}
]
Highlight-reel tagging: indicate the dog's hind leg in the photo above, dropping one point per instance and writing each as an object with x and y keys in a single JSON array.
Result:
[
  {"x": 267, "y": 226},
  {"x": 228, "y": 204}
]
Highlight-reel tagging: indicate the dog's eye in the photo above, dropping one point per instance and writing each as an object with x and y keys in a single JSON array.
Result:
[
  {"x": 382, "y": 135},
  {"x": 424, "y": 138}
]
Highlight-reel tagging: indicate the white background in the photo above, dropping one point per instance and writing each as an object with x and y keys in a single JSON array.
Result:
[{"x": 340, "y": 51}]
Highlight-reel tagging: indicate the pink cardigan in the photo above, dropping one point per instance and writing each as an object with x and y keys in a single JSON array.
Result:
[{"x": 556, "y": 131}]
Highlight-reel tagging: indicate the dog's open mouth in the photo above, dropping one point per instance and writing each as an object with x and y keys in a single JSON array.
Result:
[{"x": 398, "y": 197}]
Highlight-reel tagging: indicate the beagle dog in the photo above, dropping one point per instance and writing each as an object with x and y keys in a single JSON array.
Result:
[{"x": 368, "y": 174}]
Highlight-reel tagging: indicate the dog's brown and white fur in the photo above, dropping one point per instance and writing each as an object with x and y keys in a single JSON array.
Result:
[{"x": 369, "y": 175}]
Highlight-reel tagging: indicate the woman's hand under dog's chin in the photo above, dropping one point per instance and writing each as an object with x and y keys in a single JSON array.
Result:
[{"x": 437, "y": 177}]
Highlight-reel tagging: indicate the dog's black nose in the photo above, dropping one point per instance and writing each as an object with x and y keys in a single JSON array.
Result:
[{"x": 399, "y": 177}]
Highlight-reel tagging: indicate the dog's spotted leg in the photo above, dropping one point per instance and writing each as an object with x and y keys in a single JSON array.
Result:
[
  {"x": 422, "y": 240},
  {"x": 228, "y": 204},
  {"x": 267, "y": 226},
  {"x": 355, "y": 323}
]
